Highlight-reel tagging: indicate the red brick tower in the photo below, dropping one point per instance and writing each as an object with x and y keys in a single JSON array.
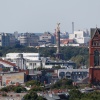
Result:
[{"x": 94, "y": 56}]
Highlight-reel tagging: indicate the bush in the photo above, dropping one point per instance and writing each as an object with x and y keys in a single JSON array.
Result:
[
  {"x": 5, "y": 89},
  {"x": 33, "y": 96},
  {"x": 63, "y": 83},
  {"x": 33, "y": 82},
  {"x": 19, "y": 89},
  {"x": 4, "y": 94}
]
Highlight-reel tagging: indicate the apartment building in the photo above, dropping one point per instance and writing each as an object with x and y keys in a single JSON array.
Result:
[
  {"x": 46, "y": 38},
  {"x": 4, "y": 39},
  {"x": 28, "y": 39}
]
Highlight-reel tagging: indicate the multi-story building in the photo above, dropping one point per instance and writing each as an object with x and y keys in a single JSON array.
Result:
[
  {"x": 94, "y": 56},
  {"x": 4, "y": 39},
  {"x": 28, "y": 39},
  {"x": 80, "y": 37},
  {"x": 47, "y": 37},
  {"x": 74, "y": 74},
  {"x": 12, "y": 40},
  {"x": 25, "y": 60}
]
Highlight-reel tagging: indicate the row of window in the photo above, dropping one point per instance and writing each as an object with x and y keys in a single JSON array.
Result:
[
  {"x": 69, "y": 73},
  {"x": 34, "y": 64}
]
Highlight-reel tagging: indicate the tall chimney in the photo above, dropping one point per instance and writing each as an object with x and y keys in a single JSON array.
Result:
[{"x": 72, "y": 27}]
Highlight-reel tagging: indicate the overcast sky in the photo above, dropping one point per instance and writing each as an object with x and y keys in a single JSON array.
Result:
[{"x": 43, "y": 15}]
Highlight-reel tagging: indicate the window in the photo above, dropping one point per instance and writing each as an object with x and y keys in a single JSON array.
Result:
[
  {"x": 75, "y": 35},
  {"x": 30, "y": 64},
  {"x": 96, "y": 58}
]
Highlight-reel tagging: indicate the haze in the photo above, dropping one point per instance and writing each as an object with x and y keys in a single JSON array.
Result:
[{"x": 43, "y": 15}]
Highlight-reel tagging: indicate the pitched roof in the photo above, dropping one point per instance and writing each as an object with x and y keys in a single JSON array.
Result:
[
  {"x": 93, "y": 31},
  {"x": 7, "y": 62}
]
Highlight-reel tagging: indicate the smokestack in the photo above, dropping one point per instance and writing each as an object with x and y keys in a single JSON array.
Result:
[{"x": 72, "y": 27}]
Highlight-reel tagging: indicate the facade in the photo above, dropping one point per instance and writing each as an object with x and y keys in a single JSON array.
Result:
[
  {"x": 21, "y": 62},
  {"x": 66, "y": 41},
  {"x": 28, "y": 39},
  {"x": 29, "y": 56},
  {"x": 13, "y": 78},
  {"x": 33, "y": 64},
  {"x": 12, "y": 39},
  {"x": 74, "y": 74},
  {"x": 62, "y": 64},
  {"x": 80, "y": 37},
  {"x": 94, "y": 56},
  {"x": 47, "y": 37},
  {"x": 4, "y": 39},
  {"x": 25, "y": 60}
]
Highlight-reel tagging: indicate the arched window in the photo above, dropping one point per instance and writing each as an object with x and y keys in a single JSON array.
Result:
[
  {"x": 62, "y": 74},
  {"x": 96, "y": 58}
]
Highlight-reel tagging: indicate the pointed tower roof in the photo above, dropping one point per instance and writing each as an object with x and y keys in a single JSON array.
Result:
[{"x": 93, "y": 31}]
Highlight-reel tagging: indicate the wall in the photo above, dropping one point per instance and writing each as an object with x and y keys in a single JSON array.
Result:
[
  {"x": 94, "y": 76},
  {"x": 13, "y": 78}
]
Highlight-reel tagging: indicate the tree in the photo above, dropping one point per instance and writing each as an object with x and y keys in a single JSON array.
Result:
[
  {"x": 32, "y": 83},
  {"x": 19, "y": 89},
  {"x": 33, "y": 96},
  {"x": 75, "y": 95}
]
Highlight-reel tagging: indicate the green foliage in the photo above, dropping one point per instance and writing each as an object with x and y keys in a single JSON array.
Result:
[
  {"x": 19, "y": 89},
  {"x": 56, "y": 67},
  {"x": 33, "y": 82},
  {"x": 5, "y": 69},
  {"x": 5, "y": 89},
  {"x": 27, "y": 97},
  {"x": 63, "y": 83},
  {"x": 32, "y": 96},
  {"x": 36, "y": 88},
  {"x": 4, "y": 94},
  {"x": 77, "y": 95},
  {"x": 78, "y": 54}
]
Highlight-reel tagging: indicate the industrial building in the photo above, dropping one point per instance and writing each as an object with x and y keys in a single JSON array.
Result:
[{"x": 80, "y": 37}]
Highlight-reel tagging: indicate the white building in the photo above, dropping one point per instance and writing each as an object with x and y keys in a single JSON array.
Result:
[
  {"x": 80, "y": 37},
  {"x": 74, "y": 74},
  {"x": 29, "y": 56},
  {"x": 25, "y": 60}
]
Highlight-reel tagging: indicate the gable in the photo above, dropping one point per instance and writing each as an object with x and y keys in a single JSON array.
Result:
[{"x": 95, "y": 33}]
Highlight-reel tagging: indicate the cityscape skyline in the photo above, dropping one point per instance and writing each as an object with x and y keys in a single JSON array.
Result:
[{"x": 40, "y": 16}]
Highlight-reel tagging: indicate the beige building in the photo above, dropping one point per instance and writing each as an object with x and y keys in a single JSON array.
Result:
[
  {"x": 47, "y": 37},
  {"x": 28, "y": 39},
  {"x": 13, "y": 78}
]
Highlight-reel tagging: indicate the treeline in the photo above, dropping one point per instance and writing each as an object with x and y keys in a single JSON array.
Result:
[
  {"x": 77, "y": 95},
  {"x": 79, "y": 55}
]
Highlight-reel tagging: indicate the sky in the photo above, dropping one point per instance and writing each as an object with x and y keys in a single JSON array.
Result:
[{"x": 39, "y": 16}]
